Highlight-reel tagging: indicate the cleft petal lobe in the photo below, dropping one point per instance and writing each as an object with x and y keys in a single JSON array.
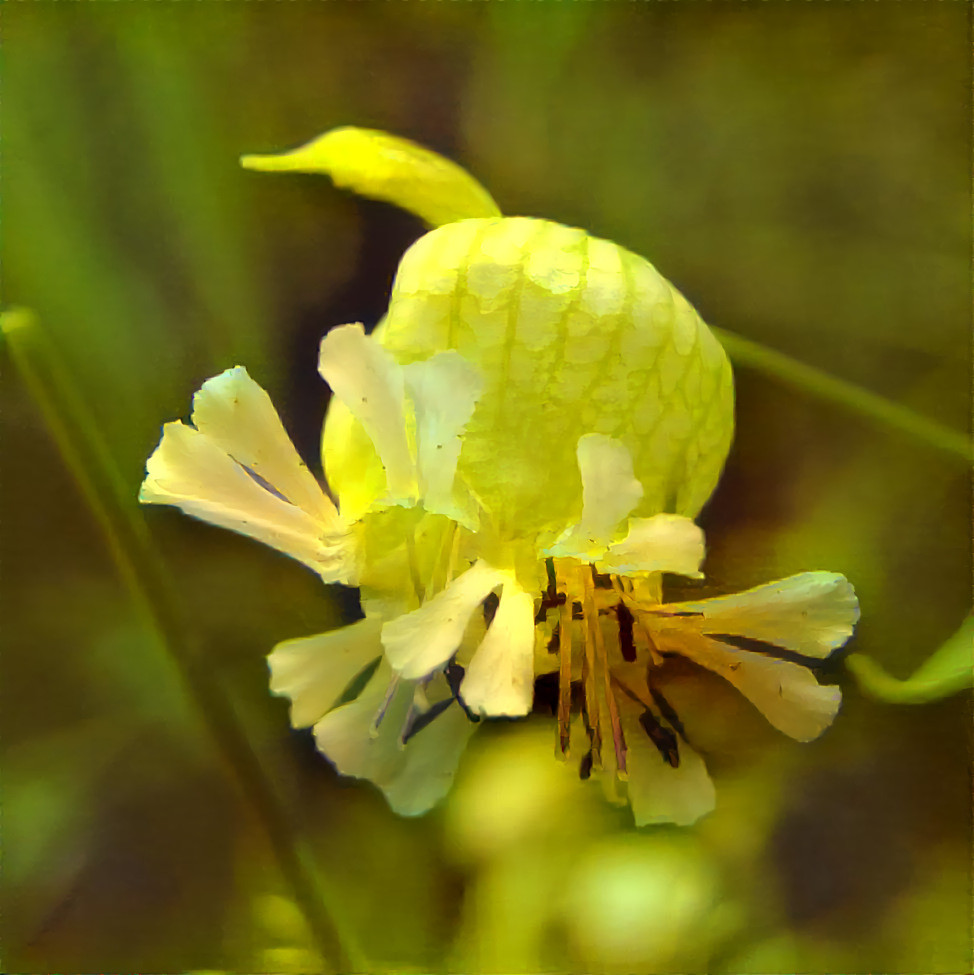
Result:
[{"x": 419, "y": 642}]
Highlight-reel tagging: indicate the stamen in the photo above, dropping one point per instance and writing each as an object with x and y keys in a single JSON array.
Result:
[
  {"x": 593, "y": 727},
  {"x": 384, "y": 706},
  {"x": 564, "y": 676},
  {"x": 264, "y": 483},
  {"x": 663, "y": 738},
  {"x": 666, "y": 709},
  {"x": 454, "y": 677},
  {"x": 552, "y": 591},
  {"x": 453, "y": 673},
  {"x": 601, "y": 580},
  {"x": 551, "y": 597},
  {"x": 627, "y": 644},
  {"x": 414, "y": 568},
  {"x": 655, "y": 655},
  {"x": 618, "y": 739},
  {"x": 753, "y": 645},
  {"x": 553, "y": 640},
  {"x": 489, "y": 607},
  {"x": 590, "y": 670},
  {"x": 416, "y": 719}
]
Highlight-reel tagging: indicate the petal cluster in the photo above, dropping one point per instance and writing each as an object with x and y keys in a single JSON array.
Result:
[
  {"x": 236, "y": 467},
  {"x": 517, "y": 452},
  {"x": 392, "y": 698},
  {"x": 614, "y": 632}
]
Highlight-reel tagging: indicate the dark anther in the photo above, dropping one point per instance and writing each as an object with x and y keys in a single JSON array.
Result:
[
  {"x": 553, "y": 641},
  {"x": 663, "y": 738},
  {"x": 577, "y": 613},
  {"x": 549, "y": 565},
  {"x": 585, "y": 767},
  {"x": 416, "y": 721},
  {"x": 626, "y": 642},
  {"x": 546, "y": 693},
  {"x": 550, "y": 598},
  {"x": 666, "y": 709},
  {"x": 601, "y": 580},
  {"x": 680, "y": 613},
  {"x": 264, "y": 483},
  {"x": 490, "y": 607},
  {"x": 454, "y": 674},
  {"x": 767, "y": 650},
  {"x": 547, "y": 690}
]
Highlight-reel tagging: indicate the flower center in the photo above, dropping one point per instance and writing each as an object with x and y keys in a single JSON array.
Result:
[{"x": 587, "y": 604}]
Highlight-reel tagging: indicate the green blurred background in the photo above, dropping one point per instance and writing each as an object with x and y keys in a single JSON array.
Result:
[{"x": 800, "y": 170}]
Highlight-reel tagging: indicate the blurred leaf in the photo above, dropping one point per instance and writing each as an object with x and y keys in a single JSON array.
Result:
[
  {"x": 87, "y": 456},
  {"x": 190, "y": 187},
  {"x": 929, "y": 927},
  {"x": 49, "y": 813},
  {"x": 947, "y": 671},
  {"x": 386, "y": 167},
  {"x": 648, "y": 902}
]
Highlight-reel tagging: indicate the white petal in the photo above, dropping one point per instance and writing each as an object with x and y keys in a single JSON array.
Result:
[
  {"x": 609, "y": 492},
  {"x": 237, "y": 415},
  {"x": 609, "y": 487},
  {"x": 431, "y": 758},
  {"x": 500, "y": 678},
  {"x": 190, "y": 471},
  {"x": 663, "y": 543},
  {"x": 314, "y": 671},
  {"x": 352, "y": 467},
  {"x": 367, "y": 379},
  {"x": 419, "y": 642},
  {"x": 659, "y": 793},
  {"x": 414, "y": 776},
  {"x": 444, "y": 390},
  {"x": 811, "y": 613},
  {"x": 786, "y": 693},
  {"x": 345, "y": 735}
]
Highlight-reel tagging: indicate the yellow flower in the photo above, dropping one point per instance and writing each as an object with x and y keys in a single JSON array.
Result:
[
  {"x": 762, "y": 642},
  {"x": 517, "y": 452}
]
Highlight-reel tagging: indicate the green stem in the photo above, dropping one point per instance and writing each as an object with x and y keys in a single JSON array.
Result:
[
  {"x": 948, "y": 670},
  {"x": 854, "y": 398},
  {"x": 90, "y": 462}
]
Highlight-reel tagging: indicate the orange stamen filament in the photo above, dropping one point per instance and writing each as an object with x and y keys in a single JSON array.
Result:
[
  {"x": 592, "y": 709},
  {"x": 564, "y": 675},
  {"x": 591, "y": 612}
]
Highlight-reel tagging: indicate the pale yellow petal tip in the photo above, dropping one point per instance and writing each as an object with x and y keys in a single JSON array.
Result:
[
  {"x": 268, "y": 164},
  {"x": 662, "y": 543},
  {"x": 386, "y": 167}
]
